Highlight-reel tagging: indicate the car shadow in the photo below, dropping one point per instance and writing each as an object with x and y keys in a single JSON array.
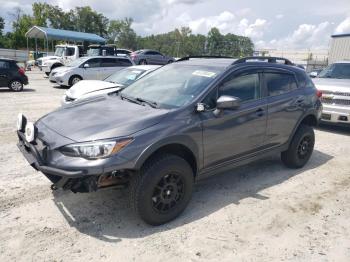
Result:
[
  {"x": 335, "y": 128},
  {"x": 25, "y": 90},
  {"x": 106, "y": 214},
  {"x": 60, "y": 87}
]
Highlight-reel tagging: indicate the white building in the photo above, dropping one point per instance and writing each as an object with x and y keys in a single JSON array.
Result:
[{"x": 340, "y": 48}]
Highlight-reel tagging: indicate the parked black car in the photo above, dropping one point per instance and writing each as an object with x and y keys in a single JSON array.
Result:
[
  {"x": 11, "y": 75},
  {"x": 180, "y": 123}
]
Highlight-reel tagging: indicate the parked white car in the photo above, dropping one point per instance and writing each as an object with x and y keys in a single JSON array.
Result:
[
  {"x": 88, "y": 68},
  {"x": 115, "y": 82},
  {"x": 334, "y": 83}
]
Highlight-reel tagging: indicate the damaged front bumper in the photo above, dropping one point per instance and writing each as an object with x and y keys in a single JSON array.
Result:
[{"x": 83, "y": 180}]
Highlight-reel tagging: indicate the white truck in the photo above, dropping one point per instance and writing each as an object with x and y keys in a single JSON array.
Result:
[
  {"x": 62, "y": 56},
  {"x": 334, "y": 83}
]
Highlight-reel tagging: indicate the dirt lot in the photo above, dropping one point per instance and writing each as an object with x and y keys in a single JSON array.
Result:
[{"x": 262, "y": 212}]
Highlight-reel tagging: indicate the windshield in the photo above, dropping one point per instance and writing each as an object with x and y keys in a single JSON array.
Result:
[
  {"x": 339, "y": 70},
  {"x": 77, "y": 62},
  {"x": 172, "y": 86},
  {"x": 59, "y": 51},
  {"x": 93, "y": 52},
  {"x": 125, "y": 77}
]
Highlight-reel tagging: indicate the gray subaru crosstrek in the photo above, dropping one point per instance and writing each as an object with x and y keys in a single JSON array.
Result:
[{"x": 186, "y": 120}]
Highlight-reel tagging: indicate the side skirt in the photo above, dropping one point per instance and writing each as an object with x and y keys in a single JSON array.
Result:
[{"x": 228, "y": 165}]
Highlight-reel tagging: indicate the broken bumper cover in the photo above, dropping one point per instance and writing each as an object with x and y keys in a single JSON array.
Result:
[
  {"x": 75, "y": 180},
  {"x": 33, "y": 157}
]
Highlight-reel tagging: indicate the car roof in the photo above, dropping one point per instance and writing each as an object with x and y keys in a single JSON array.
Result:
[
  {"x": 7, "y": 59},
  {"x": 145, "y": 67},
  {"x": 342, "y": 62},
  {"x": 107, "y": 56},
  {"x": 224, "y": 63},
  {"x": 216, "y": 62}
]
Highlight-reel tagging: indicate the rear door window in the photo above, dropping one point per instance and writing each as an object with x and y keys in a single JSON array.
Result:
[
  {"x": 109, "y": 62},
  {"x": 95, "y": 62},
  {"x": 279, "y": 83},
  {"x": 124, "y": 62}
]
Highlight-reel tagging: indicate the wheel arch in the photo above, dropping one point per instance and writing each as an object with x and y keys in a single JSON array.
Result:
[
  {"x": 71, "y": 77},
  {"x": 309, "y": 119},
  {"x": 184, "y": 149}
]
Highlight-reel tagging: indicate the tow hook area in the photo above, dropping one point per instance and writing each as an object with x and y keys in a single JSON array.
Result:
[{"x": 91, "y": 183}]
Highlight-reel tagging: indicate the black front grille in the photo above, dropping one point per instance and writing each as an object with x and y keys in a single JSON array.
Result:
[{"x": 41, "y": 149}]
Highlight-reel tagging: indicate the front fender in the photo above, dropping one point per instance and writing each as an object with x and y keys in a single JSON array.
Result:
[{"x": 182, "y": 140}]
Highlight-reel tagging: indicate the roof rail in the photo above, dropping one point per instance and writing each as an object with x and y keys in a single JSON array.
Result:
[
  {"x": 202, "y": 56},
  {"x": 269, "y": 59}
]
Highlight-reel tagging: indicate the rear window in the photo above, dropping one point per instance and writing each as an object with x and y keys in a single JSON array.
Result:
[
  {"x": 4, "y": 64},
  {"x": 279, "y": 83}
]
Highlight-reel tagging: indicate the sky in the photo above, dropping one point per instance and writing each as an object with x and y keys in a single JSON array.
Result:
[{"x": 272, "y": 24}]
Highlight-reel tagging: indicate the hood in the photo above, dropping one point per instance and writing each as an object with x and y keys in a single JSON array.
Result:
[
  {"x": 47, "y": 58},
  {"x": 88, "y": 86},
  {"x": 332, "y": 84},
  {"x": 60, "y": 69},
  {"x": 101, "y": 117}
]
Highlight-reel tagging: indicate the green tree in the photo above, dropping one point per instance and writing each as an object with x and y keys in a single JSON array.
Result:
[
  {"x": 121, "y": 33},
  {"x": 2, "y": 25}
]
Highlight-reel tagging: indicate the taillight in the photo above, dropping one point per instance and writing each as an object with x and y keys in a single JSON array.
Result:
[
  {"x": 319, "y": 93},
  {"x": 21, "y": 71},
  {"x": 133, "y": 55}
]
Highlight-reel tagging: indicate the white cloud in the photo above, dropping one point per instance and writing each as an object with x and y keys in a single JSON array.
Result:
[
  {"x": 255, "y": 30},
  {"x": 305, "y": 36},
  {"x": 343, "y": 27}
]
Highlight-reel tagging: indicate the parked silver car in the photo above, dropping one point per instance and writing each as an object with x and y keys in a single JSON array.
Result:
[
  {"x": 150, "y": 57},
  {"x": 115, "y": 82},
  {"x": 88, "y": 68},
  {"x": 334, "y": 83}
]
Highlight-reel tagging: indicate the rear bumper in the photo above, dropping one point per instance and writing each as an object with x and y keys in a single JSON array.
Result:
[{"x": 336, "y": 114}]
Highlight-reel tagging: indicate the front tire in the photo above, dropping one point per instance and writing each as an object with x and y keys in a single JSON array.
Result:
[
  {"x": 163, "y": 189},
  {"x": 16, "y": 86},
  {"x": 74, "y": 79},
  {"x": 300, "y": 148}
]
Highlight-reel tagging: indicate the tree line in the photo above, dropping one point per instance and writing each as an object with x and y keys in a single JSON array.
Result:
[{"x": 179, "y": 42}]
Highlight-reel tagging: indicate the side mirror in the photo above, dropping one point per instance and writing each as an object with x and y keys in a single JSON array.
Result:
[
  {"x": 228, "y": 102},
  {"x": 313, "y": 74},
  {"x": 86, "y": 65}
]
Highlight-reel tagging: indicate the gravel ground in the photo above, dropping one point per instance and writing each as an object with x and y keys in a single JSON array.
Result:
[{"x": 260, "y": 212}]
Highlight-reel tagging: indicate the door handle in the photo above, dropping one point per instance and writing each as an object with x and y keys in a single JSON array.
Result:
[{"x": 259, "y": 112}]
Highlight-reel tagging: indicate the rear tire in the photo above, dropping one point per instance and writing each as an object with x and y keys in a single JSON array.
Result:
[
  {"x": 16, "y": 85},
  {"x": 162, "y": 190},
  {"x": 300, "y": 148}
]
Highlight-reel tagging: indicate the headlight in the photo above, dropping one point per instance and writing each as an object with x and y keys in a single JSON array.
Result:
[{"x": 95, "y": 150}]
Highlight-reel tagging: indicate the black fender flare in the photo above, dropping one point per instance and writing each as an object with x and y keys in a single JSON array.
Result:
[{"x": 181, "y": 140}]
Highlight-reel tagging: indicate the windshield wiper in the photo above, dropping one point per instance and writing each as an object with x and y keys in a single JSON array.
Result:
[
  {"x": 148, "y": 102},
  {"x": 130, "y": 99}
]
